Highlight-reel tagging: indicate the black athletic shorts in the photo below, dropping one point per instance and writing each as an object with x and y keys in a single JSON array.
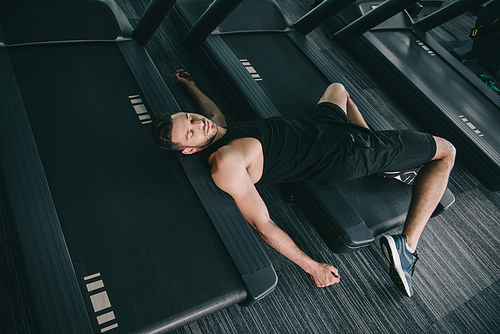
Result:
[{"x": 377, "y": 151}]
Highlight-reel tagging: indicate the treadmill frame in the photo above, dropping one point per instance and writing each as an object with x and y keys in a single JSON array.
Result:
[
  {"x": 427, "y": 106},
  {"x": 55, "y": 294}
]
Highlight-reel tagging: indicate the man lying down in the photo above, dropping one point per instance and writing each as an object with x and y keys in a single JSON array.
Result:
[{"x": 334, "y": 144}]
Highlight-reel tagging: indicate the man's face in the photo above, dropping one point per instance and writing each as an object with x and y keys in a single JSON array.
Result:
[{"x": 193, "y": 131}]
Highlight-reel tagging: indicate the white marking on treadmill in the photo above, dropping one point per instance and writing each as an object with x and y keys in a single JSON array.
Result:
[
  {"x": 106, "y": 317},
  {"x": 471, "y": 126},
  {"x": 105, "y": 329},
  {"x": 100, "y": 301},
  {"x": 95, "y": 285},
  {"x": 251, "y": 69},
  {"x": 426, "y": 48},
  {"x": 140, "y": 109},
  {"x": 92, "y": 276}
]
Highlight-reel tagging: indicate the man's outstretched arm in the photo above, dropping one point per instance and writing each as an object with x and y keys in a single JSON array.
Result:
[
  {"x": 207, "y": 107},
  {"x": 237, "y": 182}
]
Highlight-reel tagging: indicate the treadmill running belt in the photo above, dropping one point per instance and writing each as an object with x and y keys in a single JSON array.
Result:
[
  {"x": 460, "y": 96},
  {"x": 285, "y": 58},
  {"x": 126, "y": 208}
]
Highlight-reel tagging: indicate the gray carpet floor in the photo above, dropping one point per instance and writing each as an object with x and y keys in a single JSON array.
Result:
[{"x": 456, "y": 281}]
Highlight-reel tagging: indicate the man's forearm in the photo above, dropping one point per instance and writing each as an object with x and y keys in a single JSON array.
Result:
[
  {"x": 282, "y": 243},
  {"x": 322, "y": 274},
  {"x": 207, "y": 107}
]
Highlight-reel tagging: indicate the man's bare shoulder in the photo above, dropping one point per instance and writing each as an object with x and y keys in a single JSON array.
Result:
[
  {"x": 232, "y": 155},
  {"x": 238, "y": 156}
]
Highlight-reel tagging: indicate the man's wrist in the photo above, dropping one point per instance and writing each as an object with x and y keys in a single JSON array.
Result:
[{"x": 310, "y": 266}]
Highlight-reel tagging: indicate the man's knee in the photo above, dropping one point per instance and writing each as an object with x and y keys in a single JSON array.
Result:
[
  {"x": 336, "y": 89},
  {"x": 335, "y": 93},
  {"x": 337, "y": 86},
  {"x": 444, "y": 150}
]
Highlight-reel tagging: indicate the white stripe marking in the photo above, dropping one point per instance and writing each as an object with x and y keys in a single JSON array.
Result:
[
  {"x": 92, "y": 276},
  {"x": 106, "y": 317},
  {"x": 140, "y": 109},
  {"x": 100, "y": 301},
  {"x": 105, "y": 329},
  {"x": 95, "y": 285}
]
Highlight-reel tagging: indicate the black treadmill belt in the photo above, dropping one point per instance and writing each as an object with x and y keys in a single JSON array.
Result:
[
  {"x": 291, "y": 96},
  {"x": 469, "y": 105},
  {"x": 126, "y": 208}
]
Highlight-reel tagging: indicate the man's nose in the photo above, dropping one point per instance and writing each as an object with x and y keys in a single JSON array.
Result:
[{"x": 200, "y": 121}]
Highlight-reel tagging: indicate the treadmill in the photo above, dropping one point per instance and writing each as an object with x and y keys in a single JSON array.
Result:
[
  {"x": 267, "y": 68},
  {"x": 440, "y": 91},
  {"x": 114, "y": 235}
]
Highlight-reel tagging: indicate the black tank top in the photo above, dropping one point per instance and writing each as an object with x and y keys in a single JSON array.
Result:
[{"x": 295, "y": 148}]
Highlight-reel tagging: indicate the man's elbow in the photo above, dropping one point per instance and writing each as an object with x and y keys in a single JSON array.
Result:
[{"x": 262, "y": 228}]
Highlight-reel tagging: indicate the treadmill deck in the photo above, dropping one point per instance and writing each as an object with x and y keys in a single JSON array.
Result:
[{"x": 143, "y": 248}]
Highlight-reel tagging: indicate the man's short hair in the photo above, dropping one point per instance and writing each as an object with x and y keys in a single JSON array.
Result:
[{"x": 161, "y": 133}]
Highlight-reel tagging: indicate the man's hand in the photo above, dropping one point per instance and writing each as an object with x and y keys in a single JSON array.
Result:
[
  {"x": 324, "y": 275},
  {"x": 183, "y": 78}
]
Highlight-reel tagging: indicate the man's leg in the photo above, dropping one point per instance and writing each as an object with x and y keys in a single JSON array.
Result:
[
  {"x": 430, "y": 183},
  {"x": 337, "y": 94},
  {"x": 428, "y": 188}
]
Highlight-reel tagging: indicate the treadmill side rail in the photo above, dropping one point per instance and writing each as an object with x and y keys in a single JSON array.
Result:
[
  {"x": 56, "y": 300},
  {"x": 242, "y": 244}
]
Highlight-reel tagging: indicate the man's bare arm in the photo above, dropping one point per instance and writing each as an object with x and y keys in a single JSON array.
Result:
[
  {"x": 207, "y": 107},
  {"x": 237, "y": 182}
]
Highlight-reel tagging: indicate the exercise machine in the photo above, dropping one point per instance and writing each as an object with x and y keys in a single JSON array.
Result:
[
  {"x": 114, "y": 235},
  {"x": 442, "y": 93}
]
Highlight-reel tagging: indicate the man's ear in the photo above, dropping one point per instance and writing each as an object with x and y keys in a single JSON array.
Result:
[{"x": 189, "y": 150}]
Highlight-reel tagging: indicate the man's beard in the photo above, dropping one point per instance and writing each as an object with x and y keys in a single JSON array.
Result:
[{"x": 210, "y": 140}]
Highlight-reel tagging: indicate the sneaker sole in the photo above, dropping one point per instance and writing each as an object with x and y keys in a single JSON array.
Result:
[{"x": 395, "y": 263}]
